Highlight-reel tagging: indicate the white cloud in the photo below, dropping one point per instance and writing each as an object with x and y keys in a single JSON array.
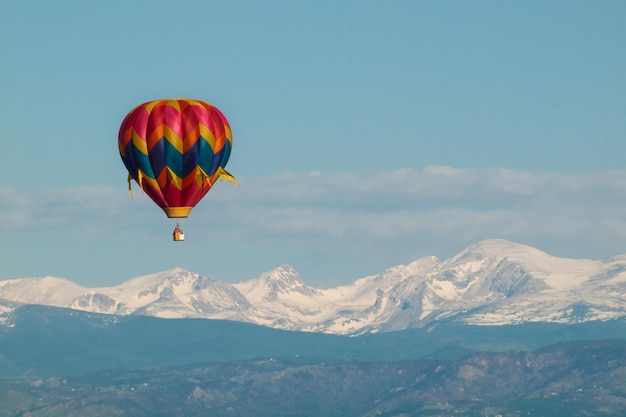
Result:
[
  {"x": 435, "y": 207},
  {"x": 62, "y": 208}
]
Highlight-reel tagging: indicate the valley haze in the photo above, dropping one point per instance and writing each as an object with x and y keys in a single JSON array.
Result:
[{"x": 493, "y": 282}]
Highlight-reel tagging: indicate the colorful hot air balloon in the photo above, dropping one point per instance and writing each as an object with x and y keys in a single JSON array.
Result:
[{"x": 175, "y": 149}]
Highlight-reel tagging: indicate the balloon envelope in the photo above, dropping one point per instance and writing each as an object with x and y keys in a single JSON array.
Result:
[{"x": 175, "y": 149}]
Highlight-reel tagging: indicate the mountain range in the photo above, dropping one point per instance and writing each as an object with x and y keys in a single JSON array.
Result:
[
  {"x": 493, "y": 282},
  {"x": 569, "y": 379}
]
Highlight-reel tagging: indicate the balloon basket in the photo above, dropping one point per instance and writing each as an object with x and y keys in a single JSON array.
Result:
[{"x": 178, "y": 235}]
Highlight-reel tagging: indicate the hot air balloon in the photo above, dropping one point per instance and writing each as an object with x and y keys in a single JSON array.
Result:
[{"x": 175, "y": 150}]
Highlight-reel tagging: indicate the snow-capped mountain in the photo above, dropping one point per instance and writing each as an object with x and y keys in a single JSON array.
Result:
[{"x": 491, "y": 282}]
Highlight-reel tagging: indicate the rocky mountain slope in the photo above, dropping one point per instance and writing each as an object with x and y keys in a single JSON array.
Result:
[{"x": 581, "y": 378}]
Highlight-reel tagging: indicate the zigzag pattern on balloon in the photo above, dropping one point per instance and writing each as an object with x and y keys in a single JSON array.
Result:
[{"x": 175, "y": 148}]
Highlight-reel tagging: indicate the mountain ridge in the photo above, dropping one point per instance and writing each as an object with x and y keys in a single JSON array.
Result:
[{"x": 491, "y": 282}]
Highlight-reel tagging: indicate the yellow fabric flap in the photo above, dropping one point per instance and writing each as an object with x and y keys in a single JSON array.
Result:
[
  {"x": 174, "y": 179},
  {"x": 224, "y": 175},
  {"x": 140, "y": 182}
]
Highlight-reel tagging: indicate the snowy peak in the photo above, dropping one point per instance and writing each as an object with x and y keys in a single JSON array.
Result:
[
  {"x": 175, "y": 293},
  {"x": 178, "y": 293},
  {"x": 491, "y": 257},
  {"x": 491, "y": 282},
  {"x": 498, "y": 249},
  {"x": 271, "y": 286},
  {"x": 39, "y": 290},
  {"x": 175, "y": 277}
]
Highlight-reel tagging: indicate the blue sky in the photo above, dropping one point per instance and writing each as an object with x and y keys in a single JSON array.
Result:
[{"x": 366, "y": 133}]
